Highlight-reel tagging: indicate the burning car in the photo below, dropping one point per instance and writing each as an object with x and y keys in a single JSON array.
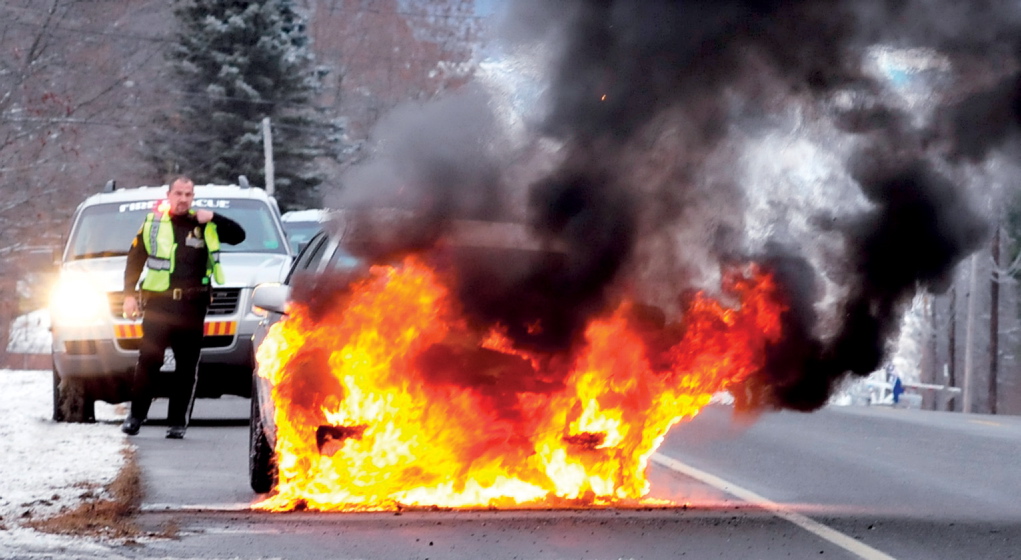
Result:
[
  {"x": 321, "y": 253},
  {"x": 415, "y": 381},
  {"x": 325, "y": 262}
]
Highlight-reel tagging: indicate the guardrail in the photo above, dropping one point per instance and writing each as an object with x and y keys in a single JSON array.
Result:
[{"x": 881, "y": 392}]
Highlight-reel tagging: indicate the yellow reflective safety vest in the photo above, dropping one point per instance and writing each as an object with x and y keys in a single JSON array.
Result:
[{"x": 158, "y": 233}]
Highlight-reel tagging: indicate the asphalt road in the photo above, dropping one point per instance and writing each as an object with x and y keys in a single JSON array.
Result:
[{"x": 874, "y": 483}]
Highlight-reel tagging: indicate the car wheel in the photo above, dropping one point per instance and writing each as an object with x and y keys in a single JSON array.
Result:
[
  {"x": 262, "y": 468},
  {"x": 71, "y": 401}
]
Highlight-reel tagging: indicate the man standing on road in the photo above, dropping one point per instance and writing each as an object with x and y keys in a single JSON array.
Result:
[{"x": 180, "y": 250}]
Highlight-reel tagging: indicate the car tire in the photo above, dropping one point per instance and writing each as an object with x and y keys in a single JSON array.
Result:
[
  {"x": 262, "y": 468},
  {"x": 71, "y": 401}
]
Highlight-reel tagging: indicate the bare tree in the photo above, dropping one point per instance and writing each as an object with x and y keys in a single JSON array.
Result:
[
  {"x": 383, "y": 53},
  {"x": 64, "y": 84},
  {"x": 80, "y": 82}
]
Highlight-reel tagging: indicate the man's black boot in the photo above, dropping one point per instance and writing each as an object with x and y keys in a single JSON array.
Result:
[
  {"x": 131, "y": 425},
  {"x": 176, "y": 432}
]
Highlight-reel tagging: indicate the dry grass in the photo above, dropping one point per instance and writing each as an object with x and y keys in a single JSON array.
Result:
[{"x": 109, "y": 514}]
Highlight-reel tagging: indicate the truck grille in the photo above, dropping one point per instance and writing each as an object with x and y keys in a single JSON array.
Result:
[
  {"x": 224, "y": 302},
  {"x": 116, "y": 303}
]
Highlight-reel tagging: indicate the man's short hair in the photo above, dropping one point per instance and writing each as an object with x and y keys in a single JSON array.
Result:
[{"x": 177, "y": 178}]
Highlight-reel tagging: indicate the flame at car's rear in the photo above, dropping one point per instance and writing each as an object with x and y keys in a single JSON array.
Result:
[{"x": 391, "y": 399}]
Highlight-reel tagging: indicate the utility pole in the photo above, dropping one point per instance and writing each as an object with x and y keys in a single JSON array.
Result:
[
  {"x": 994, "y": 322},
  {"x": 931, "y": 371},
  {"x": 969, "y": 336},
  {"x": 950, "y": 369},
  {"x": 267, "y": 151}
]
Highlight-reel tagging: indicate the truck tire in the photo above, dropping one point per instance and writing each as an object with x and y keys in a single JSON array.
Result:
[
  {"x": 262, "y": 468},
  {"x": 58, "y": 413},
  {"x": 71, "y": 401}
]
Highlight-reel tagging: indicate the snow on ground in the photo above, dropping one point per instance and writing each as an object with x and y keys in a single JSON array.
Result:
[
  {"x": 45, "y": 466},
  {"x": 30, "y": 333}
]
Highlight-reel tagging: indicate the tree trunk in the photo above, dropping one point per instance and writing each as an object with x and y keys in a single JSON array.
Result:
[
  {"x": 994, "y": 323},
  {"x": 6, "y": 316}
]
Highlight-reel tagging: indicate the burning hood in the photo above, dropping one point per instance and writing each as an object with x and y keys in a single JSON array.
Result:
[{"x": 390, "y": 395}]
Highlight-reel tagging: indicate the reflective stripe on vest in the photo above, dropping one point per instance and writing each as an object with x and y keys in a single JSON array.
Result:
[
  {"x": 213, "y": 268},
  {"x": 159, "y": 233}
]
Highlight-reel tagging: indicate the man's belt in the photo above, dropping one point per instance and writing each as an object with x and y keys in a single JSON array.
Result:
[{"x": 179, "y": 294}]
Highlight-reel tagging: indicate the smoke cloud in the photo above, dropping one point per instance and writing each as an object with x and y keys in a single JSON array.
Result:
[{"x": 635, "y": 164}]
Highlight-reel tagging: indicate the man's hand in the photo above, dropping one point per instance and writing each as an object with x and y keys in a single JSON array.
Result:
[
  {"x": 130, "y": 307},
  {"x": 203, "y": 216}
]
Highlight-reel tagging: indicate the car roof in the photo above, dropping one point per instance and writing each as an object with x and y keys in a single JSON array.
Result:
[
  {"x": 310, "y": 215},
  {"x": 349, "y": 224}
]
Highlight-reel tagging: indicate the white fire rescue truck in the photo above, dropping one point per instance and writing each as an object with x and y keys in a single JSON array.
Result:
[{"x": 95, "y": 348}]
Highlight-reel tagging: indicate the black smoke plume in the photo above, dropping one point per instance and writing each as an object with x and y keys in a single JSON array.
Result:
[
  {"x": 647, "y": 102},
  {"x": 625, "y": 64},
  {"x": 918, "y": 230}
]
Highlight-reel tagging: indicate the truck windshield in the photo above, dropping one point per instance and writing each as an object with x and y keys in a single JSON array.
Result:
[{"x": 106, "y": 230}]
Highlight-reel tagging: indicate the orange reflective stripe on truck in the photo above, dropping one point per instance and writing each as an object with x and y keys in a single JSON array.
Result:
[
  {"x": 215, "y": 328},
  {"x": 220, "y": 328},
  {"x": 133, "y": 330}
]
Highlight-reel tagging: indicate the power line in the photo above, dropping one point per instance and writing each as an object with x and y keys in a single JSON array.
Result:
[
  {"x": 406, "y": 13},
  {"x": 136, "y": 125},
  {"x": 117, "y": 35},
  {"x": 171, "y": 40}
]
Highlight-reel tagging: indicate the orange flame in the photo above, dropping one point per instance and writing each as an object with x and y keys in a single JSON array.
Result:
[{"x": 390, "y": 400}]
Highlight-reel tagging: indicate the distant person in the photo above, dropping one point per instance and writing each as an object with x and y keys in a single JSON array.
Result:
[
  {"x": 179, "y": 249},
  {"x": 896, "y": 386},
  {"x": 898, "y": 389}
]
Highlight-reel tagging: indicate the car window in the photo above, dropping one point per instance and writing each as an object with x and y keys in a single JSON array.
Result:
[
  {"x": 310, "y": 257},
  {"x": 342, "y": 260},
  {"x": 317, "y": 255},
  {"x": 105, "y": 230}
]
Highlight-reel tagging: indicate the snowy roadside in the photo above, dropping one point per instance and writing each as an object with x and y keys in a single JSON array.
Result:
[{"x": 46, "y": 467}]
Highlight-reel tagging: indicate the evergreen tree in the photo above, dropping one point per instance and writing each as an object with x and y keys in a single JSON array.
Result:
[{"x": 237, "y": 62}]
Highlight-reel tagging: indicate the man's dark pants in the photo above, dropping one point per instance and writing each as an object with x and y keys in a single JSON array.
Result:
[{"x": 177, "y": 324}]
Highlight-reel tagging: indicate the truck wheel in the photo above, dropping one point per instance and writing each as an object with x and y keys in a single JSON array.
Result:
[
  {"x": 262, "y": 468},
  {"x": 58, "y": 412},
  {"x": 71, "y": 401}
]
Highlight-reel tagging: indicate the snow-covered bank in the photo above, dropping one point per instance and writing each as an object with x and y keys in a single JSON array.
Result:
[
  {"x": 30, "y": 333},
  {"x": 46, "y": 467}
]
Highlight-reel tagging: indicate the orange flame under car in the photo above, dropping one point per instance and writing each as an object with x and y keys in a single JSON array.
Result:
[{"x": 391, "y": 400}]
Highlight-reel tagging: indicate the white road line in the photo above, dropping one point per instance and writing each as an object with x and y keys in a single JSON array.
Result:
[{"x": 849, "y": 544}]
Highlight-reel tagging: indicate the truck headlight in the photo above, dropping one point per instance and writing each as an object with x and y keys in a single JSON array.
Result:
[{"x": 76, "y": 301}]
